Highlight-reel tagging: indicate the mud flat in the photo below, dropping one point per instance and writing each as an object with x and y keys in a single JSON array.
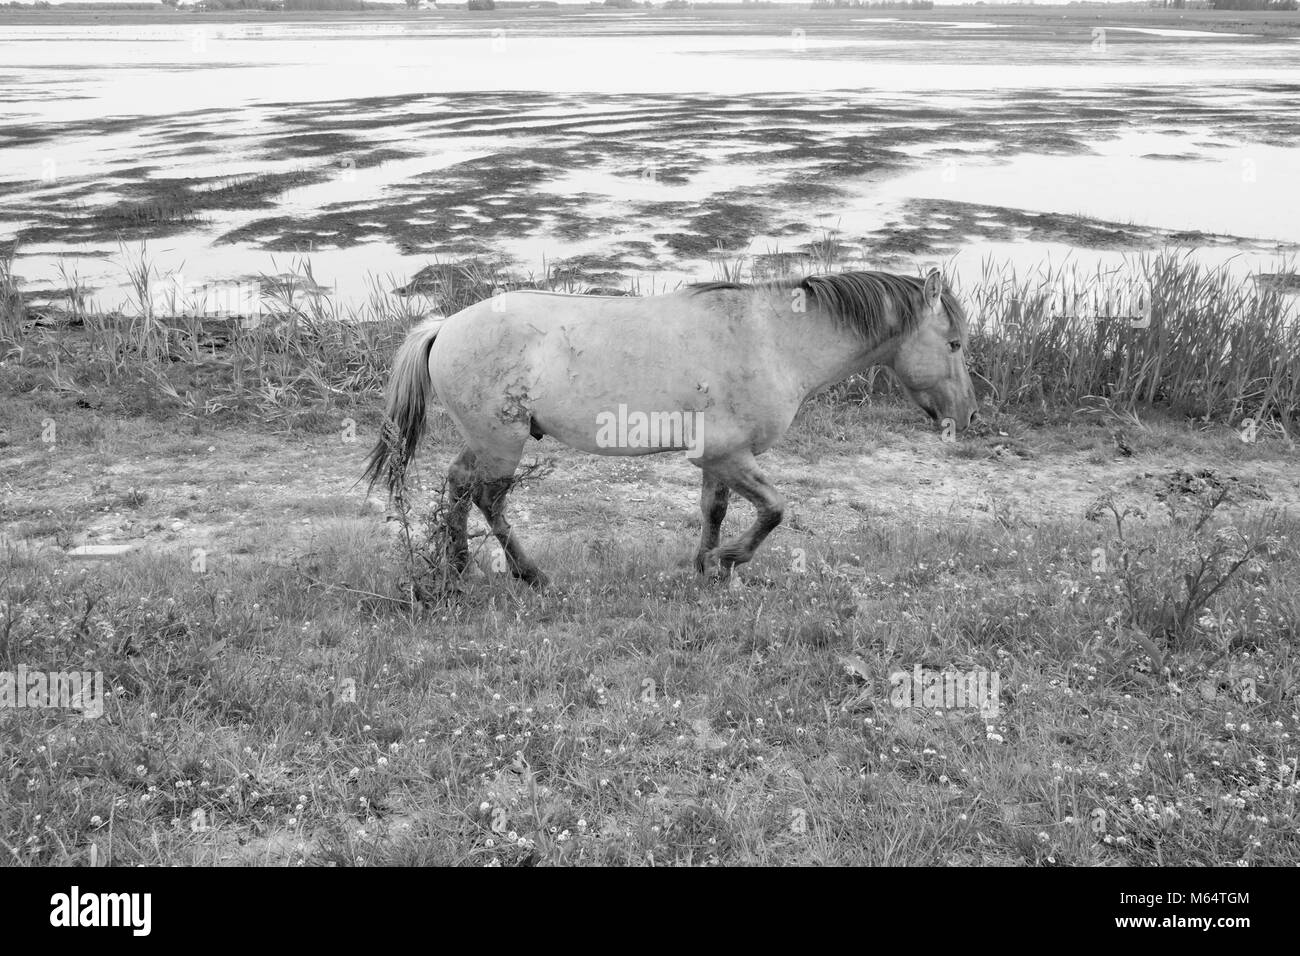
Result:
[{"x": 623, "y": 173}]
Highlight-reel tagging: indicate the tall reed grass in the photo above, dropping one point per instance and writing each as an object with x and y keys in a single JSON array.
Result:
[
  {"x": 1207, "y": 344},
  {"x": 1211, "y": 346}
]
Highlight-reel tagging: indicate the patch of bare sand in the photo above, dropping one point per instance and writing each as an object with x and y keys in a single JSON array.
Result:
[{"x": 241, "y": 490}]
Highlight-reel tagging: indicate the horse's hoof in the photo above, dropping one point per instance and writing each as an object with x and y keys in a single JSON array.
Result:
[
  {"x": 536, "y": 580},
  {"x": 726, "y": 562}
]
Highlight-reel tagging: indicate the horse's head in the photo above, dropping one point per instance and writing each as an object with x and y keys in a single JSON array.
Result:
[{"x": 931, "y": 357}]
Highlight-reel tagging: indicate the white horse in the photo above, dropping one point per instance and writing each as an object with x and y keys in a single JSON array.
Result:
[{"x": 715, "y": 371}]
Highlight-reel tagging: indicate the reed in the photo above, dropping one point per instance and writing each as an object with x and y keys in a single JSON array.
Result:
[
  {"x": 13, "y": 310},
  {"x": 1212, "y": 347},
  {"x": 1162, "y": 331}
]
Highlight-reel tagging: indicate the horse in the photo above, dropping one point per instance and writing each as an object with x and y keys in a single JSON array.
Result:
[{"x": 715, "y": 370}]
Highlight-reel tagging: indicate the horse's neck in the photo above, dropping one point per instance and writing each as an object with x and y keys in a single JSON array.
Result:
[{"x": 822, "y": 350}]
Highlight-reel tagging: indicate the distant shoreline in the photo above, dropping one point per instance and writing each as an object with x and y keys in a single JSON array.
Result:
[{"x": 1261, "y": 22}]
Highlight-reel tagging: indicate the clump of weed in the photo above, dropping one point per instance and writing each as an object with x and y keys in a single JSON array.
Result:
[{"x": 1164, "y": 602}]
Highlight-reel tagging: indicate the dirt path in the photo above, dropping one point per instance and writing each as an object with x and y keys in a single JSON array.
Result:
[{"x": 225, "y": 490}]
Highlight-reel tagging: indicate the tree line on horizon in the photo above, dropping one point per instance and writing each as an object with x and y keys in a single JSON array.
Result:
[
  {"x": 270, "y": 5},
  {"x": 878, "y": 4},
  {"x": 1281, "y": 5}
]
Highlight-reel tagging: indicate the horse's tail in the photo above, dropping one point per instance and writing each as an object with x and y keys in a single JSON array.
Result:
[{"x": 408, "y": 392}]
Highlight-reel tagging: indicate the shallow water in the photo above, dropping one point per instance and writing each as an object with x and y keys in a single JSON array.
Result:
[{"x": 87, "y": 106}]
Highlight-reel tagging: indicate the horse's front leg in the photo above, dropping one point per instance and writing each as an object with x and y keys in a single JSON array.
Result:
[
  {"x": 714, "y": 496},
  {"x": 741, "y": 474}
]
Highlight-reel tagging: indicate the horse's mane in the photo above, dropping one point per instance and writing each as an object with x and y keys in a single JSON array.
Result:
[{"x": 858, "y": 301}]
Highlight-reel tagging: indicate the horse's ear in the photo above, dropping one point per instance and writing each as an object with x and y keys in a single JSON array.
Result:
[{"x": 933, "y": 288}]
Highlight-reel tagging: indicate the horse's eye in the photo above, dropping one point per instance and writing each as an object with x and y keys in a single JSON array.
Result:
[{"x": 954, "y": 346}]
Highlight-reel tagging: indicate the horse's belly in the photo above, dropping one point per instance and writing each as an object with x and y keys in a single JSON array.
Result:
[{"x": 631, "y": 422}]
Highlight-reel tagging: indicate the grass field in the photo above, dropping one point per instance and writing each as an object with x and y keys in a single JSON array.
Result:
[{"x": 1118, "y": 556}]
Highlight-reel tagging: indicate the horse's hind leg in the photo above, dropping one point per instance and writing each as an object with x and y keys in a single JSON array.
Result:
[
  {"x": 741, "y": 473},
  {"x": 490, "y": 496},
  {"x": 494, "y": 465},
  {"x": 714, "y": 495},
  {"x": 460, "y": 492}
]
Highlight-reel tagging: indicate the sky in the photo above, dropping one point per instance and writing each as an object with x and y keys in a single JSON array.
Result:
[{"x": 582, "y": 3}]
